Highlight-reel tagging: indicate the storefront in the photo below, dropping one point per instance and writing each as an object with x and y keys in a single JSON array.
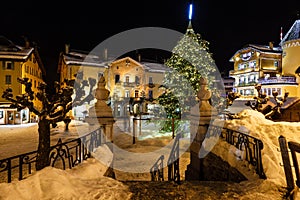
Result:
[{"x": 12, "y": 116}]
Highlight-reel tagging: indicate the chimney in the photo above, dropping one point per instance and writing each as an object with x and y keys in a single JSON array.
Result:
[
  {"x": 67, "y": 48},
  {"x": 105, "y": 54},
  {"x": 27, "y": 43},
  {"x": 271, "y": 45}
]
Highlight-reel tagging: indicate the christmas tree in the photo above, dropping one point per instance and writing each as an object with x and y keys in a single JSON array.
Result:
[{"x": 190, "y": 61}]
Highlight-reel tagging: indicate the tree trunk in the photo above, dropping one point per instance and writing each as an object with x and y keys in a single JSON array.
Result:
[{"x": 43, "y": 152}]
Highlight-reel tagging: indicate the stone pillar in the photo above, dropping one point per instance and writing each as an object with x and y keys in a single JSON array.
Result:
[
  {"x": 199, "y": 125},
  {"x": 101, "y": 113}
]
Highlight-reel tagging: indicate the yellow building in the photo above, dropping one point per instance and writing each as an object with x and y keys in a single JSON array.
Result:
[
  {"x": 273, "y": 67},
  {"x": 290, "y": 52},
  {"x": 18, "y": 62},
  {"x": 259, "y": 64},
  {"x": 127, "y": 80},
  {"x": 73, "y": 61},
  {"x": 134, "y": 85}
]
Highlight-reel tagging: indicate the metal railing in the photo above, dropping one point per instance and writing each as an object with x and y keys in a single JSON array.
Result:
[
  {"x": 173, "y": 161},
  {"x": 157, "y": 170},
  {"x": 290, "y": 149},
  {"x": 62, "y": 155},
  {"x": 250, "y": 146}
]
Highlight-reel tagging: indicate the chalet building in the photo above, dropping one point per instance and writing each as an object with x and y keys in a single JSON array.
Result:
[
  {"x": 259, "y": 64},
  {"x": 275, "y": 68},
  {"x": 133, "y": 85},
  {"x": 18, "y": 62},
  {"x": 272, "y": 67}
]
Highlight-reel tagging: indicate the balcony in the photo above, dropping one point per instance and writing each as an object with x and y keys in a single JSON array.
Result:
[
  {"x": 243, "y": 71},
  {"x": 129, "y": 84},
  {"x": 278, "y": 80},
  {"x": 243, "y": 84}
]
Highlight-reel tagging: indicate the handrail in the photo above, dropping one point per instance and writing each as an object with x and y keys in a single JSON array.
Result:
[
  {"x": 173, "y": 161},
  {"x": 71, "y": 152},
  {"x": 157, "y": 170}
]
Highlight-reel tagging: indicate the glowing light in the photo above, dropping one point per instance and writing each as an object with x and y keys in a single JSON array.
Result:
[{"x": 191, "y": 11}]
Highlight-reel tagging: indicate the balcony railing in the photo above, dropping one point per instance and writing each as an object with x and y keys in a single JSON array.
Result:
[
  {"x": 242, "y": 84},
  {"x": 129, "y": 84},
  {"x": 286, "y": 80}
]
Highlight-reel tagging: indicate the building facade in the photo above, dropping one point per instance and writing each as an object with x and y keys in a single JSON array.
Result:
[
  {"x": 133, "y": 85},
  {"x": 258, "y": 64},
  {"x": 19, "y": 62},
  {"x": 275, "y": 68},
  {"x": 71, "y": 62}
]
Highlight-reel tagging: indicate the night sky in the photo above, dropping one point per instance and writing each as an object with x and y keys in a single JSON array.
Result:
[{"x": 227, "y": 25}]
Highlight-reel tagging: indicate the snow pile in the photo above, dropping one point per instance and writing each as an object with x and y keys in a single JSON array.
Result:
[
  {"x": 255, "y": 124},
  {"x": 86, "y": 181}
]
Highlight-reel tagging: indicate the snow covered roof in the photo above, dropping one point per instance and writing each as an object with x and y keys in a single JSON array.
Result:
[
  {"x": 11, "y": 51},
  {"x": 155, "y": 67},
  {"x": 258, "y": 48},
  {"x": 293, "y": 33},
  {"x": 76, "y": 57}
]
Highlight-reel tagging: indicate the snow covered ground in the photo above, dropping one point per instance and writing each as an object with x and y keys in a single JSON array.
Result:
[{"x": 87, "y": 180}]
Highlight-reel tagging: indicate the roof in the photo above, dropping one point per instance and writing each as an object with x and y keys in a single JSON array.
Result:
[
  {"x": 258, "y": 48},
  {"x": 155, "y": 67},
  {"x": 9, "y": 50},
  {"x": 76, "y": 57},
  {"x": 292, "y": 34},
  {"x": 126, "y": 59}
]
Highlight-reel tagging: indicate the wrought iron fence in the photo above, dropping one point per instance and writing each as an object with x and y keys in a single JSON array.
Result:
[
  {"x": 250, "y": 146},
  {"x": 62, "y": 155}
]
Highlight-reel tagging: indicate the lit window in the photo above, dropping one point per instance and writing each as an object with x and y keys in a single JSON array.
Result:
[
  {"x": 127, "y": 93},
  {"x": 279, "y": 91},
  {"x": 136, "y": 93}
]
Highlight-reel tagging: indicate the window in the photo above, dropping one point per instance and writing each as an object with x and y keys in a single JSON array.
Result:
[
  {"x": 279, "y": 91},
  {"x": 127, "y": 93},
  {"x": 242, "y": 66},
  {"x": 276, "y": 63},
  {"x": 150, "y": 94},
  {"x": 127, "y": 79},
  {"x": 252, "y": 64},
  {"x": 8, "y": 79},
  {"x": 137, "y": 80},
  {"x": 150, "y": 80},
  {"x": 117, "y": 78},
  {"x": 100, "y": 74},
  {"x": 136, "y": 93},
  {"x": 8, "y": 65}
]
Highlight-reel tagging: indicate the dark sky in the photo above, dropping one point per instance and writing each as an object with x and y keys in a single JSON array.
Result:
[{"x": 227, "y": 25}]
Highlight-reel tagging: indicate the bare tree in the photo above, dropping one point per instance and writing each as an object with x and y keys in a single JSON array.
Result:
[{"x": 54, "y": 108}]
